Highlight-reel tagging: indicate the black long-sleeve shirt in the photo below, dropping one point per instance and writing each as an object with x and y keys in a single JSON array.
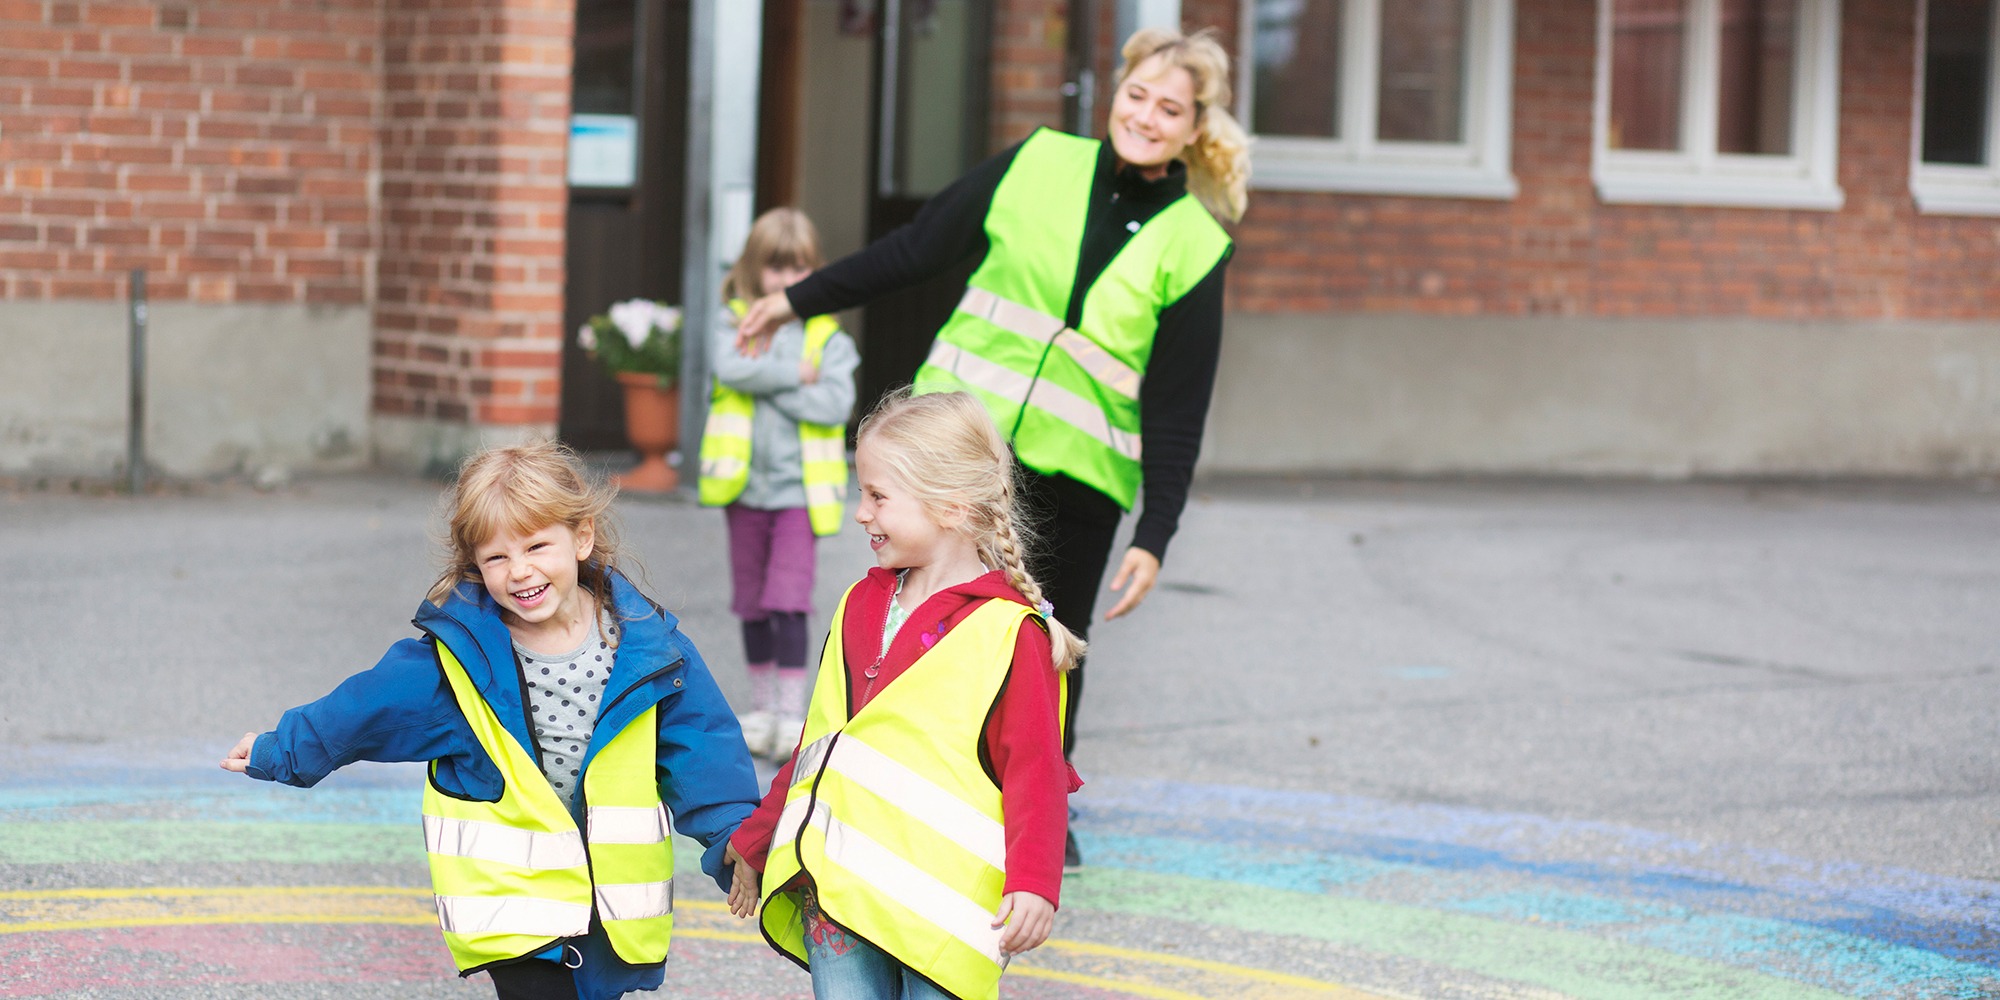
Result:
[{"x": 1180, "y": 375}]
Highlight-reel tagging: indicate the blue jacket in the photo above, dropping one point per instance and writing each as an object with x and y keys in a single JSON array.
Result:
[{"x": 403, "y": 710}]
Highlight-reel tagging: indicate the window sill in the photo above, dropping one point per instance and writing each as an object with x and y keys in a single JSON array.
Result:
[
  {"x": 1637, "y": 188},
  {"x": 1288, "y": 170},
  {"x": 1950, "y": 191}
]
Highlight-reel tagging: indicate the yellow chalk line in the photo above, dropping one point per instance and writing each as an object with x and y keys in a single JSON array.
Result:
[{"x": 397, "y": 913}]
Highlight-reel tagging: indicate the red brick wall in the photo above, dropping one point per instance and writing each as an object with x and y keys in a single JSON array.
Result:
[
  {"x": 470, "y": 301},
  {"x": 1555, "y": 249},
  {"x": 223, "y": 145},
  {"x": 1029, "y": 39}
]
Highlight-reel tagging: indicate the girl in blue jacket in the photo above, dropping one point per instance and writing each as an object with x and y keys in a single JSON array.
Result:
[{"x": 538, "y": 662}]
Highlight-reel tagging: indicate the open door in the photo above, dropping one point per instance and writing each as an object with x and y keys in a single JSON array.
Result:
[{"x": 932, "y": 60}]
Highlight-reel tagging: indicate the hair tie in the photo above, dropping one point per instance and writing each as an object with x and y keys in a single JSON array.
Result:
[{"x": 1047, "y": 609}]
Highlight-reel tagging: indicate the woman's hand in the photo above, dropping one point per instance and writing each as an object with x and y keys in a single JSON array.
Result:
[
  {"x": 745, "y": 884},
  {"x": 1139, "y": 571},
  {"x": 238, "y": 759},
  {"x": 760, "y": 321},
  {"x": 1028, "y": 919}
]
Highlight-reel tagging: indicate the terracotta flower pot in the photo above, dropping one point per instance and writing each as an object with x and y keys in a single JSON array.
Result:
[{"x": 653, "y": 426}]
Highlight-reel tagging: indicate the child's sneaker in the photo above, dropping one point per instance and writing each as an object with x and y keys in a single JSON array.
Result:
[
  {"x": 786, "y": 739},
  {"x": 760, "y": 730}
]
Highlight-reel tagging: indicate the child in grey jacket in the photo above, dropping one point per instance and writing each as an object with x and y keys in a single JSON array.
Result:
[{"x": 773, "y": 456}]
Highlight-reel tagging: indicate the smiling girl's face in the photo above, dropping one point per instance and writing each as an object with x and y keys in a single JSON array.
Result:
[
  {"x": 1153, "y": 115},
  {"x": 533, "y": 577}
]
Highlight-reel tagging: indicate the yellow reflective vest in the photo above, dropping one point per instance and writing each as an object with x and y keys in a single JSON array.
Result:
[
  {"x": 514, "y": 876},
  {"x": 1068, "y": 399},
  {"x": 725, "y": 443},
  {"x": 892, "y": 815}
]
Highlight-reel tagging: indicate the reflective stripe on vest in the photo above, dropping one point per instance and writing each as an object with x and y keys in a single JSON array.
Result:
[
  {"x": 725, "y": 444},
  {"x": 514, "y": 876},
  {"x": 892, "y": 814},
  {"x": 1067, "y": 398},
  {"x": 993, "y": 379}
]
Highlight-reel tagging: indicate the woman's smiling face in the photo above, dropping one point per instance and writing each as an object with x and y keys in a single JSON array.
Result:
[{"x": 1153, "y": 115}]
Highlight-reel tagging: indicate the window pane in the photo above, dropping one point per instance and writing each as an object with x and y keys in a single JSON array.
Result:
[
  {"x": 602, "y": 81},
  {"x": 1759, "y": 55},
  {"x": 1296, "y": 90},
  {"x": 937, "y": 44},
  {"x": 1957, "y": 64},
  {"x": 1423, "y": 71},
  {"x": 1648, "y": 48}
]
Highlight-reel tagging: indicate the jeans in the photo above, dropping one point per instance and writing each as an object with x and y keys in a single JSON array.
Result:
[{"x": 844, "y": 967}]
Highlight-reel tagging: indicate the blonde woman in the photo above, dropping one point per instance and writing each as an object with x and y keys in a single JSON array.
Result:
[{"x": 1092, "y": 324}]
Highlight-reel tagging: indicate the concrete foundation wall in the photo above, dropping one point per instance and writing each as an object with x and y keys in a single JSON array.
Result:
[
  {"x": 231, "y": 388},
  {"x": 432, "y": 447},
  {"x": 1669, "y": 398}
]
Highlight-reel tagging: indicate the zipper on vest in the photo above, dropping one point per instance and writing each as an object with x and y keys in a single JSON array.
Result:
[{"x": 636, "y": 685}]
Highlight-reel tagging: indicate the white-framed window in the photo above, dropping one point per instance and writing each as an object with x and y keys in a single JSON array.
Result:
[
  {"x": 1718, "y": 102},
  {"x": 1955, "y": 167},
  {"x": 1379, "y": 96}
]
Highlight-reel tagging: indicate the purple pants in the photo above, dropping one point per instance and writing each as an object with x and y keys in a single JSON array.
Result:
[{"x": 771, "y": 560}]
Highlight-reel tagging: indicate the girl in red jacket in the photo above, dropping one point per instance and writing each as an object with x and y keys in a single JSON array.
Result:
[{"x": 887, "y": 858}]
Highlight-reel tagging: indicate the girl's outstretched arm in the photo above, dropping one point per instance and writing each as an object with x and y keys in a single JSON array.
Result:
[{"x": 1028, "y": 919}]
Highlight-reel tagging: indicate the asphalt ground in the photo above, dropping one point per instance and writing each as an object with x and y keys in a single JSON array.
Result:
[{"x": 1390, "y": 739}]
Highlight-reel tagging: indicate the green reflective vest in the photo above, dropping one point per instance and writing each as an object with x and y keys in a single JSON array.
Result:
[
  {"x": 725, "y": 443},
  {"x": 892, "y": 815},
  {"x": 1068, "y": 399},
  {"x": 513, "y": 877}
]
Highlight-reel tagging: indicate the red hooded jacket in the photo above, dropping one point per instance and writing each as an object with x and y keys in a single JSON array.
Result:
[{"x": 1023, "y": 734}]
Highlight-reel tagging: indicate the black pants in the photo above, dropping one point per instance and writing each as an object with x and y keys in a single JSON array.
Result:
[
  {"x": 533, "y": 979},
  {"x": 1075, "y": 527}
]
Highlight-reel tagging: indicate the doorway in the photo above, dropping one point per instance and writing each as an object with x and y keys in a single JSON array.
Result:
[
  {"x": 628, "y": 169},
  {"x": 870, "y": 107}
]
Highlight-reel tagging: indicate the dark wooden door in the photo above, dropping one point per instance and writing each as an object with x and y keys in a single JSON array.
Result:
[
  {"x": 932, "y": 59},
  {"x": 624, "y": 239}
]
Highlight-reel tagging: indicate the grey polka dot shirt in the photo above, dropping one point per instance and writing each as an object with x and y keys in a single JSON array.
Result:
[{"x": 564, "y": 690}]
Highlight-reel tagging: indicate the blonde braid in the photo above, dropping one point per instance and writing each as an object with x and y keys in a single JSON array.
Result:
[{"x": 1008, "y": 551}]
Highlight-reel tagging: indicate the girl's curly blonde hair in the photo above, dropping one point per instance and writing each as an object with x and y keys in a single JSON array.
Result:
[
  {"x": 1218, "y": 160},
  {"x": 944, "y": 449},
  {"x": 524, "y": 488}
]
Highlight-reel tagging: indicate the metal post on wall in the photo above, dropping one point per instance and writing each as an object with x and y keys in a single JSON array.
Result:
[
  {"x": 696, "y": 313},
  {"x": 725, "y": 47},
  {"x": 135, "y": 419}
]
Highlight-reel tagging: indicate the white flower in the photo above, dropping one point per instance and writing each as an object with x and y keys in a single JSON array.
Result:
[
  {"x": 586, "y": 337},
  {"x": 633, "y": 318},
  {"x": 666, "y": 317}
]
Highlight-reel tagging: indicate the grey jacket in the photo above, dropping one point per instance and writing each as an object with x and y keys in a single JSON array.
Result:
[{"x": 777, "y": 476}]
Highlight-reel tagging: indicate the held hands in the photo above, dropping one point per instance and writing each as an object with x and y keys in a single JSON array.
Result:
[
  {"x": 760, "y": 321},
  {"x": 745, "y": 886},
  {"x": 1141, "y": 569},
  {"x": 238, "y": 758},
  {"x": 1028, "y": 919}
]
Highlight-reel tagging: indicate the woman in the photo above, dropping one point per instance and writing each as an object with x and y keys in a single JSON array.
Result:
[{"x": 1094, "y": 319}]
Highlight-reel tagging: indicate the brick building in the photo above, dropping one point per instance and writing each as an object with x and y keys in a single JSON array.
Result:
[{"x": 1654, "y": 237}]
